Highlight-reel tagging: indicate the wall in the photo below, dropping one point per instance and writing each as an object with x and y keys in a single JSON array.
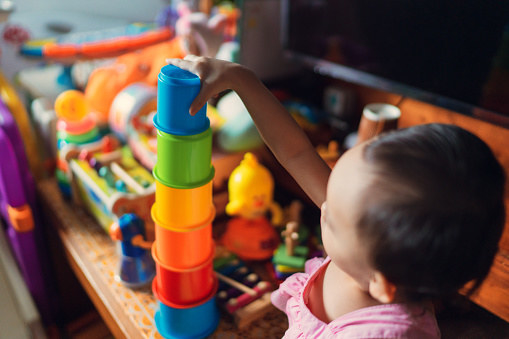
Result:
[
  {"x": 36, "y": 17},
  {"x": 139, "y": 10}
]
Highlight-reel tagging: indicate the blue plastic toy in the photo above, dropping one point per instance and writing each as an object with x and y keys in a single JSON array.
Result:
[{"x": 137, "y": 268}]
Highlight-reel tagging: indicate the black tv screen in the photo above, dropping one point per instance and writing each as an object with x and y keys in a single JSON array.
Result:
[{"x": 452, "y": 53}]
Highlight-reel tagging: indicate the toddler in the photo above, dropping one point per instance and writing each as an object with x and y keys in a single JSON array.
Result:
[{"x": 407, "y": 217}]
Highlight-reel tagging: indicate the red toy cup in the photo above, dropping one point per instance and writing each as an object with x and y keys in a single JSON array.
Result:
[
  {"x": 161, "y": 298},
  {"x": 184, "y": 286},
  {"x": 184, "y": 249}
]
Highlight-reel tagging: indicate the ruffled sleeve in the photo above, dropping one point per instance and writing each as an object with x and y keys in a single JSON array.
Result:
[
  {"x": 294, "y": 285},
  {"x": 313, "y": 264},
  {"x": 291, "y": 287}
]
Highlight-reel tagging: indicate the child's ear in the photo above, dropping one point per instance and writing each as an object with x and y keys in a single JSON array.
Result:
[{"x": 381, "y": 289}]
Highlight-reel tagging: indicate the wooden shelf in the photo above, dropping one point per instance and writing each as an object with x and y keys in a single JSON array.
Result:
[{"x": 128, "y": 313}]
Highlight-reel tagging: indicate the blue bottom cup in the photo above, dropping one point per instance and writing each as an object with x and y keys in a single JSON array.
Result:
[{"x": 198, "y": 321}]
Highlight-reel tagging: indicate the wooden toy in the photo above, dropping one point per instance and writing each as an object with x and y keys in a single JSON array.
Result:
[
  {"x": 111, "y": 183},
  {"x": 290, "y": 257},
  {"x": 95, "y": 170},
  {"x": 241, "y": 292}
]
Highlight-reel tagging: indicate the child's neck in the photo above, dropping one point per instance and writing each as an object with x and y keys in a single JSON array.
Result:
[{"x": 334, "y": 293}]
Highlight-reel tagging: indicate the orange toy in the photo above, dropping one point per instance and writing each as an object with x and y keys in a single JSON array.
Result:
[
  {"x": 250, "y": 190},
  {"x": 142, "y": 66},
  {"x": 251, "y": 239}
]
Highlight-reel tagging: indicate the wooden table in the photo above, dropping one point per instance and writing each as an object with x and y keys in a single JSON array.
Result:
[{"x": 128, "y": 313}]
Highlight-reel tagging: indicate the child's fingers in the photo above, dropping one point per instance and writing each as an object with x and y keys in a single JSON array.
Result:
[
  {"x": 178, "y": 62},
  {"x": 189, "y": 64},
  {"x": 191, "y": 57},
  {"x": 200, "y": 100}
]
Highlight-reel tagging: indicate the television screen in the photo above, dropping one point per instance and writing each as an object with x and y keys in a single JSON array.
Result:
[{"x": 452, "y": 53}]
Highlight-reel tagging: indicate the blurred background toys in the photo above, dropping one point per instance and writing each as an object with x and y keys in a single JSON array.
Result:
[
  {"x": 202, "y": 33},
  {"x": 136, "y": 268},
  {"x": 75, "y": 127},
  {"x": 103, "y": 174},
  {"x": 330, "y": 153},
  {"x": 111, "y": 183},
  {"x": 130, "y": 118},
  {"x": 196, "y": 33},
  {"x": 16, "y": 107},
  {"x": 238, "y": 132},
  {"x": 18, "y": 208},
  {"x": 241, "y": 293},
  {"x": 292, "y": 254},
  {"x": 142, "y": 66},
  {"x": 249, "y": 234},
  {"x": 96, "y": 44},
  {"x": 104, "y": 78}
]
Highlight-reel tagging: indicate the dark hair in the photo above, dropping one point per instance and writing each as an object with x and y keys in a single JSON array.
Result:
[{"x": 435, "y": 215}]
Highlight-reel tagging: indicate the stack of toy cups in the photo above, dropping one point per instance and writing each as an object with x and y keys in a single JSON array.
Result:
[
  {"x": 185, "y": 283},
  {"x": 74, "y": 126}
]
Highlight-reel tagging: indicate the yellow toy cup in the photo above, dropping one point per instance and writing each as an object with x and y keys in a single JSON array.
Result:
[
  {"x": 183, "y": 208},
  {"x": 185, "y": 249},
  {"x": 182, "y": 227}
]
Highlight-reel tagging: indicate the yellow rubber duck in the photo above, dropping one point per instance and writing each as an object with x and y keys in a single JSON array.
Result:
[{"x": 250, "y": 192}]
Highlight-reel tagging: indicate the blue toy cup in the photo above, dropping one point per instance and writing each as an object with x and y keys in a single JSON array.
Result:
[
  {"x": 197, "y": 321},
  {"x": 176, "y": 90}
]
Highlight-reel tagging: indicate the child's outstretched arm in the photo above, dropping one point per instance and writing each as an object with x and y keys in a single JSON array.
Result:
[{"x": 280, "y": 132}]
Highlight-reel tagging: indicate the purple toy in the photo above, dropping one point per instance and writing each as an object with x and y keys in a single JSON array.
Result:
[{"x": 18, "y": 209}]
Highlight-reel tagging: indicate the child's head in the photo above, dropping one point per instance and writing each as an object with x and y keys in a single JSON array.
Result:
[{"x": 420, "y": 208}]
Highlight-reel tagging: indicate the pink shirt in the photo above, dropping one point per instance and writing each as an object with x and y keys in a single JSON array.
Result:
[{"x": 382, "y": 321}]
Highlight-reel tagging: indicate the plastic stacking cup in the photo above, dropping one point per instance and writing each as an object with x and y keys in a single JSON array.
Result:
[
  {"x": 195, "y": 321},
  {"x": 184, "y": 161},
  {"x": 183, "y": 208},
  {"x": 91, "y": 135},
  {"x": 187, "y": 247},
  {"x": 76, "y": 127},
  {"x": 184, "y": 286},
  {"x": 176, "y": 90},
  {"x": 184, "y": 247}
]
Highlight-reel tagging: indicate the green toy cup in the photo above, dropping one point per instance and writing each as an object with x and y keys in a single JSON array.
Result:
[{"x": 184, "y": 161}]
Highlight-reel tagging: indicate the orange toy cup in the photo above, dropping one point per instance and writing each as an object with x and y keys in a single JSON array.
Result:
[
  {"x": 184, "y": 249},
  {"x": 184, "y": 286},
  {"x": 183, "y": 208}
]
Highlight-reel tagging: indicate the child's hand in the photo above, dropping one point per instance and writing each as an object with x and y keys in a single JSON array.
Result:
[
  {"x": 216, "y": 76},
  {"x": 278, "y": 129}
]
